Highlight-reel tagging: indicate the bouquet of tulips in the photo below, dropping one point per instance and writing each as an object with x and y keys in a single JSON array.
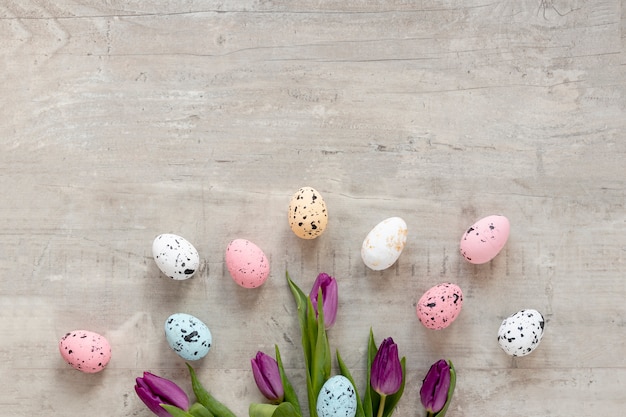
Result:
[{"x": 328, "y": 396}]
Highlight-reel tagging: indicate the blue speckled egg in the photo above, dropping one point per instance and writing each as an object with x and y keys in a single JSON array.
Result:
[
  {"x": 188, "y": 336},
  {"x": 337, "y": 398}
]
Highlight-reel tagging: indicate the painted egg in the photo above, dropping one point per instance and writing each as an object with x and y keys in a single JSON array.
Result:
[
  {"x": 188, "y": 336},
  {"x": 440, "y": 306},
  {"x": 337, "y": 398},
  {"x": 520, "y": 333},
  {"x": 86, "y": 351},
  {"x": 175, "y": 256},
  {"x": 485, "y": 239},
  {"x": 384, "y": 243},
  {"x": 247, "y": 264},
  {"x": 308, "y": 216}
]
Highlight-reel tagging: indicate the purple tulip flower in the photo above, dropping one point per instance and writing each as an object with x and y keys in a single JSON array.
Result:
[
  {"x": 386, "y": 372},
  {"x": 434, "y": 391},
  {"x": 267, "y": 377},
  {"x": 154, "y": 391},
  {"x": 330, "y": 298}
]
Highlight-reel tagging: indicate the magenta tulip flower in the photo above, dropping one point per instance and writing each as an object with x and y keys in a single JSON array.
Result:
[
  {"x": 330, "y": 298},
  {"x": 435, "y": 386},
  {"x": 386, "y": 372},
  {"x": 154, "y": 391},
  {"x": 267, "y": 377}
]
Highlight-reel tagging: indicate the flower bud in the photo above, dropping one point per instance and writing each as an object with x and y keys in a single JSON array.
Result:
[
  {"x": 386, "y": 372},
  {"x": 330, "y": 297},
  {"x": 435, "y": 386},
  {"x": 154, "y": 391},
  {"x": 267, "y": 377}
]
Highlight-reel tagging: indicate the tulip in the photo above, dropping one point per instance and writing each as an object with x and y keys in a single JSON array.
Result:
[
  {"x": 267, "y": 377},
  {"x": 154, "y": 391},
  {"x": 330, "y": 297},
  {"x": 435, "y": 387},
  {"x": 386, "y": 372}
]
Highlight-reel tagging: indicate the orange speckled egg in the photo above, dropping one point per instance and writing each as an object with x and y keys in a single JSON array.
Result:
[{"x": 308, "y": 216}]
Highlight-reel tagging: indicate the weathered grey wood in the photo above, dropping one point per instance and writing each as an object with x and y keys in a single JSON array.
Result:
[{"x": 122, "y": 120}]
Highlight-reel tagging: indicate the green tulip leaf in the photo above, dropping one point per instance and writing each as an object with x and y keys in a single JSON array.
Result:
[
  {"x": 198, "y": 410},
  {"x": 346, "y": 372},
  {"x": 308, "y": 328},
  {"x": 311, "y": 334},
  {"x": 392, "y": 400},
  {"x": 444, "y": 410},
  {"x": 261, "y": 410},
  {"x": 301, "y": 305},
  {"x": 320, "y": 371},
  {"x": 286, "y": 410},
  {"x": 175, "y": 411},
  {"x": 290, "y": 393},
  {"x": 371, "y": 398},
  {"x": 214, "y": 406},
  {"x": 322, "y": 339}
]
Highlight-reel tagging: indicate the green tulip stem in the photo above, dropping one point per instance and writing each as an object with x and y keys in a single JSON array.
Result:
[{"x": 381, "y": 406}]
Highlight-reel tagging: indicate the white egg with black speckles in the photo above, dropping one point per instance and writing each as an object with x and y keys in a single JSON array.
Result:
[
  {"x": 337, "y": 398},
  {"x": 175, "y": 256},
  {"x": 520, "y": 333},
  {"x": 188, "y": 336}
]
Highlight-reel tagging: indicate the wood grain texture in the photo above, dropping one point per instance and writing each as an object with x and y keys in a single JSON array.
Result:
[{"x": 121, "y": 120}]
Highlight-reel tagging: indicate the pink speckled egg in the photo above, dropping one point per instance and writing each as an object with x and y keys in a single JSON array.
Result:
[
  {"x": 86, "y": 351},
  {"x": 246, "y": 263},
  {"x": 485, "y": 239},
  {"x": 440, "y": 306}
]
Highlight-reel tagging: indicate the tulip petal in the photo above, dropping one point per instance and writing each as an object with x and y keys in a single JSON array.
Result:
[
  {"x": 440, "y": 394},
  {"x": 329, "y": 288},
  {"x": 267, "y": 377},
  {"x": 435, "y": 386},
  {"x": 151, "y": 401},
  {"x": 386, "y": 376},
  {"x": 166, "y": 390},
  {"x": 443, "y": 411}
]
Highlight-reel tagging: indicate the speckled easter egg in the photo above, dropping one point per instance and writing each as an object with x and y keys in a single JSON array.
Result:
[
  {"x": 337, "y": 398},
  {"x": 520, "y": 333},
  {"x": 86, "y": 351},
  {"x": 440, "y": 306},
  {"x": 485, "y": 239},
  {"x": 188, "y": 336},
  {"x": 308, "y": 216},
  {"x": 247, "y": 264},
  {"x": 384, "y": 243},
  {"x": 175, "y": 256}
]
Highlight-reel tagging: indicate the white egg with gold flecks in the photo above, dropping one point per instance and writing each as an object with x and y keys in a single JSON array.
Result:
[{"x": 384, "y": 243}]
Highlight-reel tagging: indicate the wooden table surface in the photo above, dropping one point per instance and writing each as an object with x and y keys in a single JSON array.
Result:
[{"x": 121, "y": 120}]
